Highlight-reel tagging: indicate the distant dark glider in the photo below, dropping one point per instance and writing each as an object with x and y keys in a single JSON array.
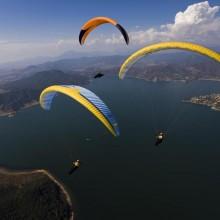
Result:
[
  {"x": 91, "y": 24},
  {"x": 98, "y": 75}
]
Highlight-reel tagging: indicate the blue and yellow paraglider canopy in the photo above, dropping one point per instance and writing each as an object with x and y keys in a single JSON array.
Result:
[{"x": 86, "y": 98}]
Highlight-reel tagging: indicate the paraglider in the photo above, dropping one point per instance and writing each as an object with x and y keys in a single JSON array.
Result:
[
  {"x": 75, "y": 166},
  {"x": 86, "y": 98},
  {"x": 159, "y": 138},
  {"x": 91, "y": 24},
  {"x": 165, "y": 46},
  {"x": 98, "y": 75}
]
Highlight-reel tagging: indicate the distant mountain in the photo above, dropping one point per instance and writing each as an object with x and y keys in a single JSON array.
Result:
[
  {"x": 185, "y": 71},
  {"x": 43, "y": 79},
  {"x": 72, "y": 55},
  {"x": 22, "y": 87},
  {"x": 25, "y": 92},
  {"x": 183, "y": 61},
  {"x": 25, "y": 62},
  {"x": 106, "y": 62},
  {"x": 68, "y": 65},
  {"x": 101, "y": 63},
  {"x": 83, "y": 64}
]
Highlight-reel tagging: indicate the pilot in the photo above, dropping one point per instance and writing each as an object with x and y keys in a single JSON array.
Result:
[
  {"x": 75, "y": 166},
  {"x": 159, "y": 138}
]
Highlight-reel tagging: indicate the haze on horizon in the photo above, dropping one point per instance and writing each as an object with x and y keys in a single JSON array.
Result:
[{"x": 31, "y": 29}]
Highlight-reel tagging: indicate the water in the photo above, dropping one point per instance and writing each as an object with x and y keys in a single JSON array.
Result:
[{"x": 126, "y": 177}]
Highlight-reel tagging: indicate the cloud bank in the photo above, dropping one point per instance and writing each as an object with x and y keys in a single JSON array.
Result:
[{"x": 199, "y": 23}]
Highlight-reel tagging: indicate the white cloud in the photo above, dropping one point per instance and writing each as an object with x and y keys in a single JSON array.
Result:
[
  {"x": 199, "y": 23},
  {"x": 20, "y": 50},
  {"x": 196, "y": 14}
]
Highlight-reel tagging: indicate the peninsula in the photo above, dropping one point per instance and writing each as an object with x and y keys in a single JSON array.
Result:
[
  {"x": 212, "y": 101},
  {"x": 33, "y": 195}
]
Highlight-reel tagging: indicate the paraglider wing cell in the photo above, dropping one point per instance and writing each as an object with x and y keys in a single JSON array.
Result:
[
  {"x": 47, "y": 101},
  {"x": 124, "y": 33},
  {"x": 101, "y": 107}
]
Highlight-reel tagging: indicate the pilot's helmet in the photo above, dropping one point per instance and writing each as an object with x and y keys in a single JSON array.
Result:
[{"x": 160, "y": 137}]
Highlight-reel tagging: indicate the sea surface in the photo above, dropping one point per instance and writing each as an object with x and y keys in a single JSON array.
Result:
[{"x": 126, "y": 178}]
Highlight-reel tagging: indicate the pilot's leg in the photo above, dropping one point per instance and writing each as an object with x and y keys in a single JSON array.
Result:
[
  {"x": 158, "y": 142},
  {"x": 72, "y": 170}
]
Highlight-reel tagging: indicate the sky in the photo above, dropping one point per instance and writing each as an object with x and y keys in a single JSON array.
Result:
[{"x": 41, "y": 28}]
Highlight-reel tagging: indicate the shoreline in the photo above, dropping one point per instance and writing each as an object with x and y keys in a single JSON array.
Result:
[
  {"x": 202, "y": 104},
  {"x": 12, "y": 113},
  {"x": 175, "y": 80},
  {"x": 12, "y": 172}
]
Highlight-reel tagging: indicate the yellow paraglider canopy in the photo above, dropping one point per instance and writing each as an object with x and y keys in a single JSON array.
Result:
[{"x": 165, "y": 46}]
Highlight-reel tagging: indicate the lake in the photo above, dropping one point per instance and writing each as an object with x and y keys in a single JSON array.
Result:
[{"x": 126, "y": 177}]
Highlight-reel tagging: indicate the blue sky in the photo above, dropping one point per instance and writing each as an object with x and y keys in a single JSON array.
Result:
[
  {"x": 49, "y": 21},
  {"x": 45, "y": 19}
]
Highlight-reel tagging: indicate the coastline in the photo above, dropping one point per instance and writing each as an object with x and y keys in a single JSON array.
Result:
[
  {"x": 204, "y": 79},
  {"x": 6, "y": 171},
  {"x": 12, "y": 113},
  {"x": 202, "y": 104},
  {"x": 175, "y": 80}
]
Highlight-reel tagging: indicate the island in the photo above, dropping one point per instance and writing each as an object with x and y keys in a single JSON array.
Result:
[
  {"x": 33, "y": 195},
  {"x": 212, "y": 101}
]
